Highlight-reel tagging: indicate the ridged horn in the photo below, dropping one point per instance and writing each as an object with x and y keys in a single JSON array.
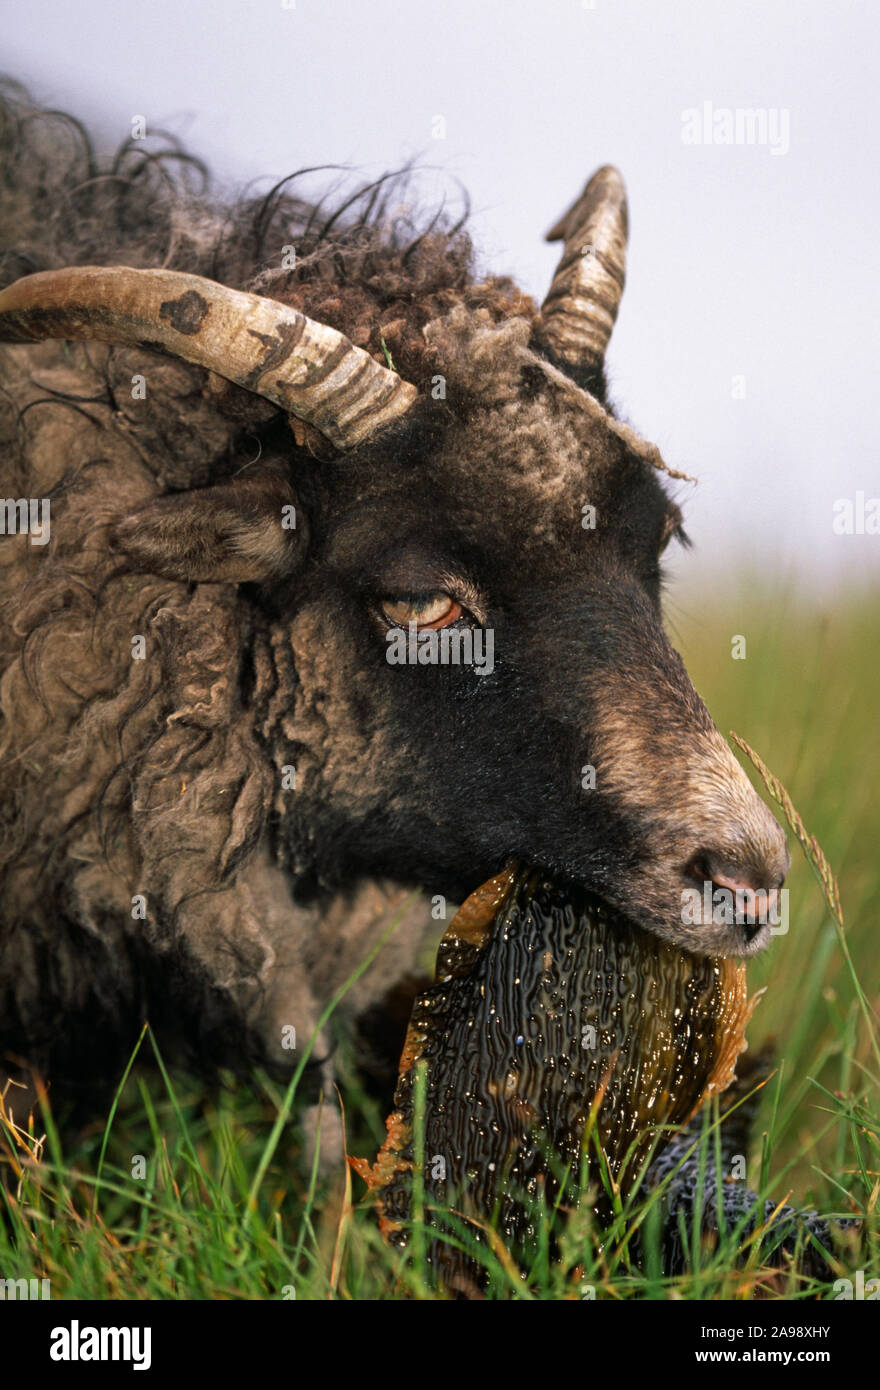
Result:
[
  {"x": 578, "y": 313},
  {"x": 311, "y": 371}
]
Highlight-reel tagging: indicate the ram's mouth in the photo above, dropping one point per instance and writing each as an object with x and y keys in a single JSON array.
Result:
[{"x": 554, "y": 1025}]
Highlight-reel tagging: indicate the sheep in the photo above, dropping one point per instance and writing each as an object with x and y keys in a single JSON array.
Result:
[{"x": 260, "y": 469}]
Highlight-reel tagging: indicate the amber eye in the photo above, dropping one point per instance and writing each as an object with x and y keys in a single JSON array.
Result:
[{"x": 425, "y": 610}]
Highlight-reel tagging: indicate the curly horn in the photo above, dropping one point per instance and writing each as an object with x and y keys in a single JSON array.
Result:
[
  {"x": 578, "y": 313},
  {"x": 311, "y": 371}
]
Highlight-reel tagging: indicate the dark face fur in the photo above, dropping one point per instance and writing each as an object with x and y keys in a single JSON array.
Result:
[{"x": 435, "y": 774}]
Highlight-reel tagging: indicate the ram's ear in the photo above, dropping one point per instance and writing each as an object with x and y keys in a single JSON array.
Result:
[{"x": 245, "y": 531}]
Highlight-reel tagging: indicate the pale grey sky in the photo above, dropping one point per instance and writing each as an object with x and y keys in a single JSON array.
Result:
[{"x": 754, "y": 261}]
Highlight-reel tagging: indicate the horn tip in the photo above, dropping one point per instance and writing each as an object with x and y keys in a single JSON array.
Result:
[{"x": 604, "y": 185}]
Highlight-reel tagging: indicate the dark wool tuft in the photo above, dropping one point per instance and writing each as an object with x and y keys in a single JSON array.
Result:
[{"x": 154, "y": 769}]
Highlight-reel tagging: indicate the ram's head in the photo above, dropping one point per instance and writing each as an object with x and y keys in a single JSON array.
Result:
[{"x": 465, "y": 579}]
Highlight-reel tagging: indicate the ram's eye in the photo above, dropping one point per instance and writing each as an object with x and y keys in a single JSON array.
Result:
[{"x": 425, "y": 610}]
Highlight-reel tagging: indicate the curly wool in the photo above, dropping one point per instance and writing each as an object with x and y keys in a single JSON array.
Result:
[{"x": 129, "y": 779}]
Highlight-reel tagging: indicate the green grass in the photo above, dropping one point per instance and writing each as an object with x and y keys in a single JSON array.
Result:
[{"x": 228, "y": 1208}]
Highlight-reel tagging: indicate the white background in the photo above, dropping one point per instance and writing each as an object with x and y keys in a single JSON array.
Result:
[{"x": 742, "y": 262}]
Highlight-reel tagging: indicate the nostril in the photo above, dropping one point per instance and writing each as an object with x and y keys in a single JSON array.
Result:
[
  {"x": 700, "y": 869},
  {"x": 706, "y": 867}
]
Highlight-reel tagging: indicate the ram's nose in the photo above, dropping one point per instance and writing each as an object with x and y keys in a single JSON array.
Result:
[{"x": 751, "y": 882}]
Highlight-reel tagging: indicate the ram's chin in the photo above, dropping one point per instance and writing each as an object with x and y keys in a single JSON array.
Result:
[
  {"x": 672, "y": 917},
  {"x": 739, "y": 940},
  {"x": 743, "y": 942},
  {"x": 647, "y": 906}
]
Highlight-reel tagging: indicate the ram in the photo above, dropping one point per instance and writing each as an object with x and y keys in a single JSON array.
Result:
[{"x": 273, "y": 451}]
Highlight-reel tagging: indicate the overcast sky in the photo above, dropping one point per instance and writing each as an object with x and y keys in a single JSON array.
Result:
[{"x": 747, "y": 345}]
